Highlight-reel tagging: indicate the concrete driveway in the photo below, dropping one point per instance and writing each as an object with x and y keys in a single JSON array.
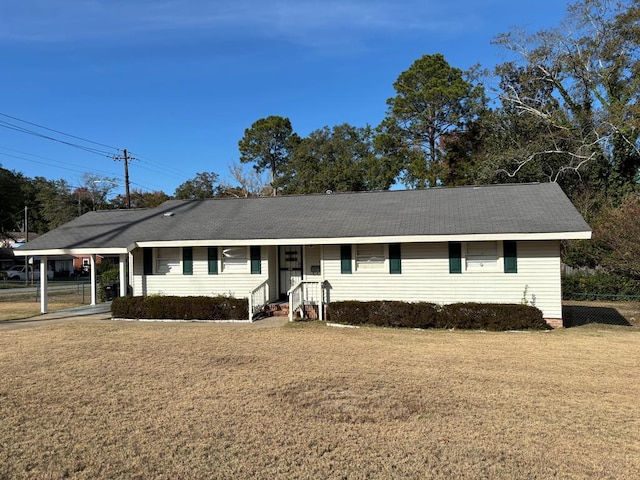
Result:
[{"x": 102, "y": 311}]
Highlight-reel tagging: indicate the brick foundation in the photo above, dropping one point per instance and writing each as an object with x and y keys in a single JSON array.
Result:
[{"x": 554, "y": 322}]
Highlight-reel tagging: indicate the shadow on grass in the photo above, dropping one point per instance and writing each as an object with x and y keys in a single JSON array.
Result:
[{"x": 577, "y": 315}]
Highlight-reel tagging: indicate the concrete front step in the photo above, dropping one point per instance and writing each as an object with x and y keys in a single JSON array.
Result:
[
  {"x": 282, "y": 310},
  {"x": 278, "y": 309}
]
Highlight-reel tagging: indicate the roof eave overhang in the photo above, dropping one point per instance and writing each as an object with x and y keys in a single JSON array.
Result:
[
  {"x": 70, "y": 251},
  {"x": 477, "y": 237}
]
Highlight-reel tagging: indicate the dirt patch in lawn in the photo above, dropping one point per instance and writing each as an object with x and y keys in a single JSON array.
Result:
[{"x": 140, "y": 400}]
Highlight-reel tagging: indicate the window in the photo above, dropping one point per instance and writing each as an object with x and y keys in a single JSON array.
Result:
[
  {"x": 147, "y": 261},
  {"x": 510, "y": 256},
  {"x": 345, "y": 258},
  {"x": 212, "y": 260},
  {"x": 256, "y": 266},
  {"x": 482, "y": 256},
  {"x": 395, "y": 260},
  {"x": 168, "y": 261},
  {"x": 455, "y": 257},
  {"x": 370, "y": 257},
  {"x": 187, "y": 260},
  {"x": 234, "y": 259}
]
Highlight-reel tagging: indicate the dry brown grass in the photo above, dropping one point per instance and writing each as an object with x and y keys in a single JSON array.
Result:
[
  {"x": 16, "y": 306},
  {"x": 139, "y": 400}
]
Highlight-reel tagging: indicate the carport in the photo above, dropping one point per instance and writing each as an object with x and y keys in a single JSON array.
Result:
[
  {"x": 105, "y": 233},
  {"x": 46, "y": 255}
]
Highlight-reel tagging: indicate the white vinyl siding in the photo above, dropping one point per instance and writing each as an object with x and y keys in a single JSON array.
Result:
[
  {"x": 236, "y": 284},
  {"x": 311, "y": 261},
  {"x": 425, "y": 277}
]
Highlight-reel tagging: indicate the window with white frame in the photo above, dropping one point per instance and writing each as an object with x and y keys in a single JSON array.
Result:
[
  {"x": 481, "y": 256},
  {"x": 234, "y": 259},
  {"x": 168, "y": 261},
  {"x": 370, "y": 257}
]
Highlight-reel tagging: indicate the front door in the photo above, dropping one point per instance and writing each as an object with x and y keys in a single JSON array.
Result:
[{"x": 290, "y": 268}]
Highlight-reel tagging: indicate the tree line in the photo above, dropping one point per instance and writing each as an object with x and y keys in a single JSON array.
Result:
[{"x": 564, "y": 108}]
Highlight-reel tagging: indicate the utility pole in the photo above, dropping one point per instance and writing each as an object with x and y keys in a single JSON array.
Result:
[{"x": 125, "y": 158}]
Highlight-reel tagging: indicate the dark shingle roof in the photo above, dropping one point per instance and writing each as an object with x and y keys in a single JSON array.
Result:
[{"x": 496, "y": 209}]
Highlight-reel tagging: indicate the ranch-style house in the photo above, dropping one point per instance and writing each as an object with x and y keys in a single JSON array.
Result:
[{"x": 497, "y": 243}]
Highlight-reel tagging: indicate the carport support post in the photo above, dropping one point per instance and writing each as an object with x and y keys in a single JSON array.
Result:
[
  {"x": 94, "y": 275},
  {"x": 44, "y": 307},
  {"x": 123, "y": 275}
]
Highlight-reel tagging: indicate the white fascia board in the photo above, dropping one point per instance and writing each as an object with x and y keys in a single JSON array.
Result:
[
  {"x": 70, "y": 251},
  {"x": 372, "y": 239}
]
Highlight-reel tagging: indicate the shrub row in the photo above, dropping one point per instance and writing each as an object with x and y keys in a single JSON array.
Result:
[
  {"x": 181, "y": 308},
  {"x": 599, "y": 285},
  {"x": 485, "y": 316},
  {"x": 383, "y": 313},
  {"x": 491, "y": 316}
]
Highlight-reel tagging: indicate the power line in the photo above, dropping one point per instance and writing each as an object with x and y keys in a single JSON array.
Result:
[
  {"x": 44, "y": 163},
  {"x": 56, "y": 163},
  {"x": 17, "y": 128},
  {"x": 122, "y": 155},
  {"x": 158, "y": 168},
  {"x": 145, "y": 187},
  {"x": 58, "y": 131}
]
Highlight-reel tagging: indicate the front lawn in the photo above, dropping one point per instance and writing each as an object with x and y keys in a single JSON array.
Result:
[{"x": 146, "y": 400}]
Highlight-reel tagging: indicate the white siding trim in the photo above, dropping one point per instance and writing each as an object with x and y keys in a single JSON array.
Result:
[{"x": 371, "y": 239}]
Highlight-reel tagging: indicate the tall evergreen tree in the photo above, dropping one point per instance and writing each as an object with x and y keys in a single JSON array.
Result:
[
  {"x": 268, "y": 144},
  {"x": 433, "y": 100}
]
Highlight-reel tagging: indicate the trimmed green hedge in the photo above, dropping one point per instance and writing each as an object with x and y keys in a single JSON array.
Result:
[
  {"x": 597, "y": 286},
  {"x": 384, "y": 313},
  {"x": 478, "y": 316},
  {"x": 181, "y": 308},
  {"x": 491, "y": 316}
]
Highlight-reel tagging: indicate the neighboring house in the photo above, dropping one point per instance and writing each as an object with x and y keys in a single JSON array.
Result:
[{"x": 498, "y": 243}]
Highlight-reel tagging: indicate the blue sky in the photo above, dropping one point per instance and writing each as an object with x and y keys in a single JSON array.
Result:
[{"x": 177, "y": 82}]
